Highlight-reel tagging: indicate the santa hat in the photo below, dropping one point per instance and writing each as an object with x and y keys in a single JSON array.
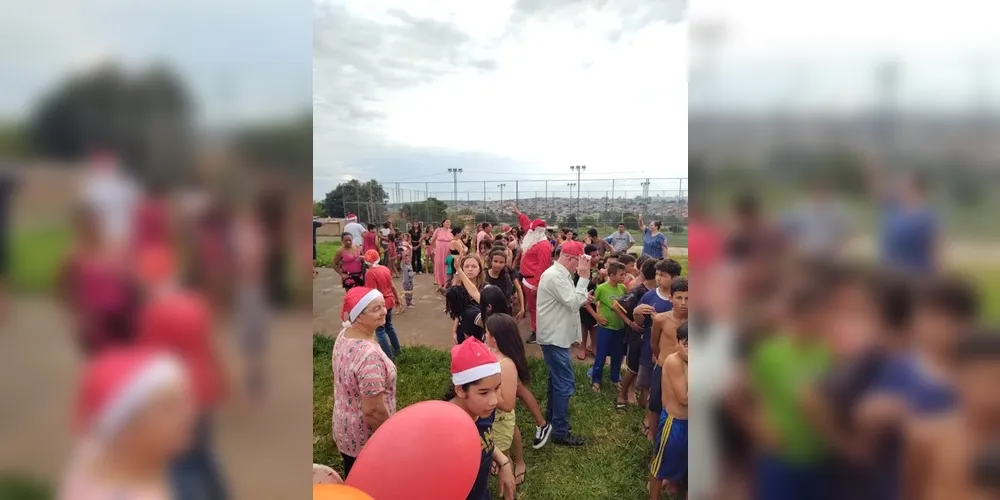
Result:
[
  {"x": 471, "y": 361},
  {"x": 372, "y": 256},
  {"x": 537, "y": 223},
  {"x": 355, "y": 302},
  {"x": 352, "y": 217},
  {"x": 118, "y": 383}
]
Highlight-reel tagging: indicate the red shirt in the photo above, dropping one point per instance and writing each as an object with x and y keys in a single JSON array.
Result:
[
  {"x": 369, "y": 241},
  {"x": 180, "y": 322},
  {"x": 380, "y": 278},
  {"x": 704, "y": 245}
]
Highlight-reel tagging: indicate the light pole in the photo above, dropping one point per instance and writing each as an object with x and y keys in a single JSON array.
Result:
[
  {"x": 579, "y": 169},
  {"x": 454, "y": 174},
  {"x": 501, "y": 186}
]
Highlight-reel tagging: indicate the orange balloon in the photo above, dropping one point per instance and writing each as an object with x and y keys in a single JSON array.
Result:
[{"x": 338, "y": 492}]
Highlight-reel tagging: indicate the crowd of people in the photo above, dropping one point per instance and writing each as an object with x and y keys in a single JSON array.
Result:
[
  {"x": 591, "y": 296},
  {"x": 146, "y": 277}
]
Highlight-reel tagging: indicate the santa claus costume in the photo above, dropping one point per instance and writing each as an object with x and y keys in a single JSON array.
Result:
[{"x": 536, "y": 259}]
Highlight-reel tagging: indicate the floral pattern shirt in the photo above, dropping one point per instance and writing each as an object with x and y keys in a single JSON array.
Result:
[{"x": 360, "y": 368}]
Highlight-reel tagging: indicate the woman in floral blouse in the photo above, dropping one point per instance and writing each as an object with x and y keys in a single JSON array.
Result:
[{"x": 364, "y": 390}]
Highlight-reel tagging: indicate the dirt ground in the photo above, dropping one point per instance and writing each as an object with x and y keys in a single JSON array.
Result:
[{"x": 265, "y": 449}]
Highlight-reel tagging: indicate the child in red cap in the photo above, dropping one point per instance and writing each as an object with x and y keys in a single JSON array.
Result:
[
  {"x": 135, "y": 414},
  {"x": 475, "y": 375}
]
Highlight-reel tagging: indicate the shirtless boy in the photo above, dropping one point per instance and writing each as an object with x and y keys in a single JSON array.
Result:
[
  {"x": 663, "y": 340},
  {"x": 942, "y": 452},
  {"x": 669, "y": 467}
]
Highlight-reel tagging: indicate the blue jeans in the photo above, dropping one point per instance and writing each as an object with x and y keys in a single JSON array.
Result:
[
  {"x": 561, "y": 387},
  {"x": 609, "y": 343},
  {"x": 387, "y": 338},
  {"x": 196, "y": 473}
]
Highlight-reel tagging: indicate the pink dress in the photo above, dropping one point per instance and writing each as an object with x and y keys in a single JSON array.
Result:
[
  {"x": 360, "y": 368},
  {"x": 442, "y": 242}
]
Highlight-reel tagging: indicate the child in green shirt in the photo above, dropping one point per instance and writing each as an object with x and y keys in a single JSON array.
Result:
[{"x": 611, "y": 320}]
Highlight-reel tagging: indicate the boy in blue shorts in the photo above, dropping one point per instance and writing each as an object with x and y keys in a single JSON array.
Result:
[{"x": 670, "y": 466}]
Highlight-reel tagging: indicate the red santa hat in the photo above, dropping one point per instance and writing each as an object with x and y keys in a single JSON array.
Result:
[
  {"x": 537, "y": 223},
  {"x": 471, "y": 361},
  {"x": 352, "y": 217},
  {"x": 118, "y": 383},
  {"x": 372, "y": 257},
  {"x": 355, "y": 302}
]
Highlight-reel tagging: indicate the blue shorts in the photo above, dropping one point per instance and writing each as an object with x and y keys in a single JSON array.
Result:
[{"x": 670, "y": 455}]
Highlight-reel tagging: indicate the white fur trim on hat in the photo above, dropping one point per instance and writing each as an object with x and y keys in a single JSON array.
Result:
[
  {"x": 475, "y": 373},
  {"x": 362, "y": 304},
  {"x": 164, "y": 371}
]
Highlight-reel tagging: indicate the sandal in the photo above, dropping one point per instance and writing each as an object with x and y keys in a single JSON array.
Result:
[
  {"x": 582, "y": 356},
  {"x": 519, "y": 478},
  {"x": 644, "y": 429},
  {"x": 621, "y": 405},
  {"x": 596, "y": 387}
]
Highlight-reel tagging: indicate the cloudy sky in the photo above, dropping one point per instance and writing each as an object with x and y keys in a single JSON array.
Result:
[
  {"x": 506, "y": 90},
  {"x": 241, "y": 60},
  {"x": 822, "y": 54}
]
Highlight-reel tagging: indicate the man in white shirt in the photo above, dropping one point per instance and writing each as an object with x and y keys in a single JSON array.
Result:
[
  {"x": 354, "y": 229},
  {"x": 113, "y": 195},
  {"x": 558, "y": 322},
  {"x": 621, "y": 240}
]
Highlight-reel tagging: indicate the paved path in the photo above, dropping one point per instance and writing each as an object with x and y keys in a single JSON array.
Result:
[{"x": 266, "y": 450}]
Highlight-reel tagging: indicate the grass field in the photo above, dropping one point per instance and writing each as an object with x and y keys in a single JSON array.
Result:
[{"x": 612, "y": 464}]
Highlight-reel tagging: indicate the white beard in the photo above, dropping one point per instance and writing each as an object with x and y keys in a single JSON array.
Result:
[{"x": 534, "y": 236}]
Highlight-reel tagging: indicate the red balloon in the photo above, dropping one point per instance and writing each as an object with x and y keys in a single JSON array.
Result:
[{"x": 427, "y": 451}]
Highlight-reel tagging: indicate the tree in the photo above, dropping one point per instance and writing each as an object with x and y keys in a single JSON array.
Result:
[
  {"x": 146, "y": 119},
  {"x": 571, "y": 220},
  {"x": 283, "y": 145},
  {"x": 429, "y": 210},
  {"x": 318, "y": 210},
  {"x": 589, "y": 221},
  {"x": 366, "y": 200}
]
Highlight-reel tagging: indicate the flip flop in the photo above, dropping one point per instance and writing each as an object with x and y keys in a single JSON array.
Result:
[
  {"x": 582, "y": 356},
  {"x": 519, "y": 478},
  {"x": 621, "y": 405}
]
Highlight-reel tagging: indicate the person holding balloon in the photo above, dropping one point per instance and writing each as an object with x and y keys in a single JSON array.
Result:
[
  {"x": 364, "y": 395},
  {"x": 476, "y": 375}
]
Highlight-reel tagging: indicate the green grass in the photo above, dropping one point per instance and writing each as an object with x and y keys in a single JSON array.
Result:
[
  {"x": 17, "y": 487},
  {"x": 612, "y": 464},
  {"x": 325, "y": 250},
  {"x": 36, "y": 256}
]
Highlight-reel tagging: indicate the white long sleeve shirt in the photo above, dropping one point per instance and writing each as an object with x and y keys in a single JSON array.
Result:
[{"x": 558, "y": 306}]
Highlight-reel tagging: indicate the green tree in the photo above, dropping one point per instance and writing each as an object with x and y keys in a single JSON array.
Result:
[
  {"x": 147, "y": 119},
  {"x": 431, "y": 210},
  {"x": 589, "y": 221},
  {"x": 318, "y": 210},
  {"x": 571, "y": 220},
  {"x": 284, "y": 145},
  {"x": 367, "y": 200}
]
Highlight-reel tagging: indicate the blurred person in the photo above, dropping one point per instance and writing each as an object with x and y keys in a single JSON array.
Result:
[
  {"x": 941, "y": 452},
  {"x": 910, "y": 233},
  {"x": 986, "y": 472},
  {"x": 791, "y": 456},
  {"x": 663, "y": 343},
  {"x": 97, "y": 287},
  {"x": 654, "y": 243},
  {"x": 656, "y": 301},
  {"x": 476, "y": 381},
  {"x": 354, "y": 229},
  {"x": 152, "y": 225},
  {"x": 315, "y": 227},
  {"x": 610, "y": 329},
  {"x": 348, "y": 263},
  {"x": 271, "y": 215},
  {"x": 417, "y": 261},
  {"x": 504, "y": 339},
  {"x": 916, "y": 381},
  {"x": 364, "y": 395},
  {"x": 441, "y": 241},
  {"x": 250, "y": 245},
  {"x": 820, "y": 227},
  {"x": 179, "y": 322},
  {"x": 213, "y": 252},
  {"x": 633, "y": 334},
  {"x": 534, "y": 261},
  {"x": 113, "y": 196},
  {"x": 379, "y": 277},
  {"x": 621, "y": 240},
  {"x": 8, "y": 186},
  {"x": 704, "y": 238},
  {"x": 559, "y": 303},
  {"x": 135, "y": 414},
  {"x": 408, "y": 272},
  {"x": 669, "y": 467}
]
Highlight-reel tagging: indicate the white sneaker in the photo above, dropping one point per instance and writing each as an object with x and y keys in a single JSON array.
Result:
[{"x": 542, "y": 435}]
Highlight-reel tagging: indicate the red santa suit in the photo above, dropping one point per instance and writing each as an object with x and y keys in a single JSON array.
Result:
[{"x": 534, "y": 262}]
